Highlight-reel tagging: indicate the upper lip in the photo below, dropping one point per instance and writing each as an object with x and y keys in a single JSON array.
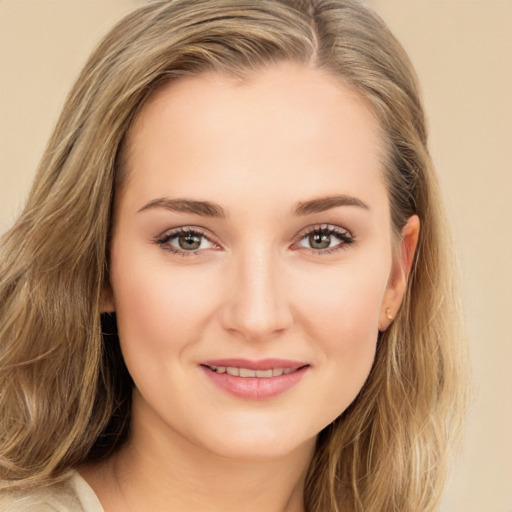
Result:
[{"x": 262, "y": 364}]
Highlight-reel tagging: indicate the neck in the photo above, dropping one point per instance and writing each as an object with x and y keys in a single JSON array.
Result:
[{"x": 162, "y": 471}]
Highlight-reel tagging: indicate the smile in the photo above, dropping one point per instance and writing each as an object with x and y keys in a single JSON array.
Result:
[
  {"x": 255, "y": 380},
  {"x": 247, "y": 372}
]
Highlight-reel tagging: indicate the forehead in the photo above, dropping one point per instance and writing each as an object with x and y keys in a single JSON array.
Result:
[{"x": 284, "y": 127}]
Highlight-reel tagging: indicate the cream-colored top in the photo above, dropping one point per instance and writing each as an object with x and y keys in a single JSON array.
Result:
[{"x": 73, "y": 495}]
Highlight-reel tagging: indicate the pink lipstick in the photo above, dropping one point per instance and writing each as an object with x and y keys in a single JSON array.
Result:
[{"x": 254, "y": 380}]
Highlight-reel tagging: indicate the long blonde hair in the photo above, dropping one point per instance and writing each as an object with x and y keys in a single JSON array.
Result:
[{"x": 64, "y": 390}]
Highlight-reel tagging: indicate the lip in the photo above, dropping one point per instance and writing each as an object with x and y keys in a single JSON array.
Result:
[
  {"x": 255, "y": 388},
  {"x": 262, "y": 364}
]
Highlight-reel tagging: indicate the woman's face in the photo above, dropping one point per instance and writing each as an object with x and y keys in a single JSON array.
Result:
[{"x": 251, "y": 263}]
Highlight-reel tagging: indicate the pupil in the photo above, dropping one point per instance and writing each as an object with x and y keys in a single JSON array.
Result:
[
  {"x": 189, "y": 242},
  {"x": 319, "y": 241}
]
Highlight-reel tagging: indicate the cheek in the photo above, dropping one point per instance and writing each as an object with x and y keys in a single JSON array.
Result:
[
  {"x": 340, "y": 315},
  {"x": 343, "y": 304},
  {"x": 160, "y": 310}
]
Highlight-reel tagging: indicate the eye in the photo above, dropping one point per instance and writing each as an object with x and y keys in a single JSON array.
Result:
[
  {"x": 326, "y": 239},
  {"x": 319, "y": 240},
  {"x": 185, "y": 241}
]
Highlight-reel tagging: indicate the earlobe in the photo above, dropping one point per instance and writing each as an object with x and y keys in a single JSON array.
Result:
[{"x": 397, "y": 284}]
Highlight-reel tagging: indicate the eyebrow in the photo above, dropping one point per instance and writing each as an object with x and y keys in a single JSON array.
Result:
[
  {"x": 203, "y": 208},
  {"x": 326, "y": 203},
  {"x": 209, "y": 209}
]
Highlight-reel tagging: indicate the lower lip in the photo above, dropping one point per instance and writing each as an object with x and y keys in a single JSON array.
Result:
[{"x": 255, "y": 388}]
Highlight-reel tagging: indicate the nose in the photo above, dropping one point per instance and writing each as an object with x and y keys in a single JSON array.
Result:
[{"x": 256, "y": 307}]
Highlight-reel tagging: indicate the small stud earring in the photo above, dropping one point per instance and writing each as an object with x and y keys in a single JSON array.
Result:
[{"x": 388, "y": 314}]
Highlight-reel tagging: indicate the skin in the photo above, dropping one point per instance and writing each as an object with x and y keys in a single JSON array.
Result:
[{"x": 259, "y": 288}]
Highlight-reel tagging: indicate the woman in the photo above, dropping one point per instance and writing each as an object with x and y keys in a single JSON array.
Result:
[{"x": 231, "y": 286}]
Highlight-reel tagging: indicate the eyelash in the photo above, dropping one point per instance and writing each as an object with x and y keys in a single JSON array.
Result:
[{"x": 343, "y": 235}]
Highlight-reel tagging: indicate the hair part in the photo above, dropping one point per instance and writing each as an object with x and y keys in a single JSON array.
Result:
[{"x": 65, "y": 393}]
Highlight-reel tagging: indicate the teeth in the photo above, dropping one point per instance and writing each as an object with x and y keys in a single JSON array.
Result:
[
  {"x": 246, "y": 372},
  {"x": 264, "y": 373}
]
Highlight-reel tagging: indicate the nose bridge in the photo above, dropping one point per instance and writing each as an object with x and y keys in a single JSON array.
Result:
[{"x": 257, "y": 306}]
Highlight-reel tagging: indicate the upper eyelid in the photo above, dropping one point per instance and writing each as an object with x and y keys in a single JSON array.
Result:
[
  {"x": 322, "y": 227},
  {"x": 187, "y": 229}
]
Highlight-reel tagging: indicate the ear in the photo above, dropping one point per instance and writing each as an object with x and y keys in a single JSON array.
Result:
[
  {"x": 107, "y": 304},
  {"x": 397, "y": 284}
]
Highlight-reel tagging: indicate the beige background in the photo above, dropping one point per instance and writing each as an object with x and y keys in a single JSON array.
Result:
[{"x": 462, "y": 50}]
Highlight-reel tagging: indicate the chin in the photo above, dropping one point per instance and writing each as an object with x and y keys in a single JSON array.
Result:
[
  {"x": 258, "y": 444},
  {"x": 258, "y": 452}
]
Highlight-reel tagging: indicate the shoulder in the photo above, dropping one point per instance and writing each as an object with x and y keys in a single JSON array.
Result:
[
  {"x": 72, "y": 495},
  {"x": 55, "y": 499}
]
